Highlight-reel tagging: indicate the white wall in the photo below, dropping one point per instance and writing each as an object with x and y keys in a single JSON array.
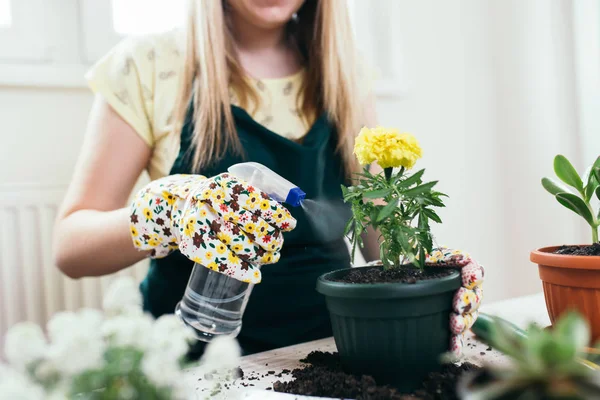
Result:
[{"x": 491, "y": 95}]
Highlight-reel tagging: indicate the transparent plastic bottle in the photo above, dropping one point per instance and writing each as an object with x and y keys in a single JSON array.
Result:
[{"x": 213, "y": 303}]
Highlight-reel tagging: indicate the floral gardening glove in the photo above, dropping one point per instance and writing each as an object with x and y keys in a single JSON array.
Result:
[
  {"x": 220, "y": 222},
  {"x": 466, "y": 299}
]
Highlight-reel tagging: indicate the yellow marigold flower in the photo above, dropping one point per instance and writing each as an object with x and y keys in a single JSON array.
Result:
[
  {"x": 256, "y": 274},
  {"x": 137, "y": 243},
  {"x": 208, "y": 255},
  {"x": 388, "y": 147},
  {"x": 203, "y": 212},
  {"x": 133, "y": 230},
  {"x": 221, "y": 248},
  {"x": 197, "y": 260},
  {"x": 147, "y": 213}
]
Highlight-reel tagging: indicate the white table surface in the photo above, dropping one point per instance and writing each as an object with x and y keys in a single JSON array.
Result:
[{"x": 520, "y": 311}]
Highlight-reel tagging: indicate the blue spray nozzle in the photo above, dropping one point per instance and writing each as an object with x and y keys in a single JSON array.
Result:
[
  {"x": 295, "y": 197},
  {"x": 269, "y": 182}
]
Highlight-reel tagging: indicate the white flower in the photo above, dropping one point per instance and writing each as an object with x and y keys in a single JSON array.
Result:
[
  {"x": 16, "y": 386},
  {"x": 76, "y": 356},
  {"x": 24, "y": 343},
  {"x": 161, "y": 372},
  {"x": 222, "y": 353},
  {"x": 76, "y": 342},
  {"x": 128, "y": 330},
  {"x": 122, "y": 297},
  {"x": 63, "y": 326},
  {"x": 170, "y": 337}
]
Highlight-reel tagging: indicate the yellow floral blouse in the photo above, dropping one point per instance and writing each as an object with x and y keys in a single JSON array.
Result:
[{"x": 140, "y": 78}]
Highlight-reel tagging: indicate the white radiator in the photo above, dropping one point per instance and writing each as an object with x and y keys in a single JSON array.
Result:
[{"x": 32, "y": 288}]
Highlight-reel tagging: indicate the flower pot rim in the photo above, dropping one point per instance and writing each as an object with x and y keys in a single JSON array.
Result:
[
  {"x": 386, "y": 290},
  {"x": 545, "y": 256}
]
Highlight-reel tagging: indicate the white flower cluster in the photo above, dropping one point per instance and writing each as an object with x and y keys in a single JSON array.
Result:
[{"x": 41, "y": 367}]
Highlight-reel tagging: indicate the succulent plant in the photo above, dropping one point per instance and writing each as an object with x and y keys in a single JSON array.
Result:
[
  {"x": 545, "y": 363},
  {"x": 587, "y": 187}
]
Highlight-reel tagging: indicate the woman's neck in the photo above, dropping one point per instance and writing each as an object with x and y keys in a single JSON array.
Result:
[
  {"x": 264, "y": 53},
  {"x": 252, "y": 38}
]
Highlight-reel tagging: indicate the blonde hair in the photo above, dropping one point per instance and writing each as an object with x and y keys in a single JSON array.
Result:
[{"x": 324, "y": 37}]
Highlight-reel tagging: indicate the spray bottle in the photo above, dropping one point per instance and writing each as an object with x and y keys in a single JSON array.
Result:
[{"x": 213, "y": 303}]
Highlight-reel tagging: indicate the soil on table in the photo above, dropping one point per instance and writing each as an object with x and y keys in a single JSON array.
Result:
[
  {"x": 324, "y": 377},
  {"x": 591, "y": 250},
  {"x": 393, "y": 275}
]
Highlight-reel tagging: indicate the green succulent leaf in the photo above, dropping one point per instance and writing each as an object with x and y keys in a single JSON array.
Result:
[
  {"x": 504, "y": 338},
  {"x": 572, "y": 329},
  {"x": 591, "y": 187},
  {"x": 567, "y": 173},
  {"x": 577, "y": 205},
  {"x": 595, "y": 169},
  {"x": 596, "y": 173},
  {"x": 554, "y": 187}
]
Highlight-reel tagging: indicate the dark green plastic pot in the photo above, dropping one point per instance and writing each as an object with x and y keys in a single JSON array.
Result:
[{"x": 395, "y": 332}]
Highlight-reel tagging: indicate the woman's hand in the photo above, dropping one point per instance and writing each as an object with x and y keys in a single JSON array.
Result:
[
  {"x": 221, "y": 223},
  {"x": 468, "y": 298}
]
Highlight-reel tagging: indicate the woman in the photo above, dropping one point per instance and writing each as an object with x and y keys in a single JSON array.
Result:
[{"x": 271, "y": 81}]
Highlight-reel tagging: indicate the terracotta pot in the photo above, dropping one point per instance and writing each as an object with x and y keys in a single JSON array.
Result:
[{"x": 570, "y": 283}]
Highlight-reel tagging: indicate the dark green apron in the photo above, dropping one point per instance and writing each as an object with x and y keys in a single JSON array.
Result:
[{"x": 284, "y": 309}]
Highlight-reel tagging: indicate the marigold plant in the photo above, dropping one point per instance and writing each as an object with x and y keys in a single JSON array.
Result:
[{"x": 396, "y": 203}]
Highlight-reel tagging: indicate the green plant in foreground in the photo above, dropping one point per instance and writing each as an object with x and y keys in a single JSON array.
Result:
[
  {"x": 587, "y": 188},
  {"x": 547, "y": 364},
  {"x": 398, "y": 205}
]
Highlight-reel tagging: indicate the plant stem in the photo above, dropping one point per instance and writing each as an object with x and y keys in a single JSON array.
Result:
[
  {"x": 388, "y": 173},
  {"x": 594, "y": 234}
]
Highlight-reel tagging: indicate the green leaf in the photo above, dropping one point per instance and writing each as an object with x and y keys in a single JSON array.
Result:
[
  {"x": 414, "y": 178},
  {"x": 432, "y": 215},
  {"x": 344, "y": 190},
  {"x": 504, "y": 338},
  {"x": 576, "y": 205},
  {"x": 598, "y": 194},
  {"x": 554, "y": 187},
  {"x": 387, "y": 210},
  {"x": 565, "y": 171},
  {"x": 348, "y": 226},
  {"x": 426, "y": 187},
  {"x": 590, "y": 188},
  {"x": 377, "y": 194},
  {"x": 596, "y": 173},
  {"x": 573, "y": 330}
]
